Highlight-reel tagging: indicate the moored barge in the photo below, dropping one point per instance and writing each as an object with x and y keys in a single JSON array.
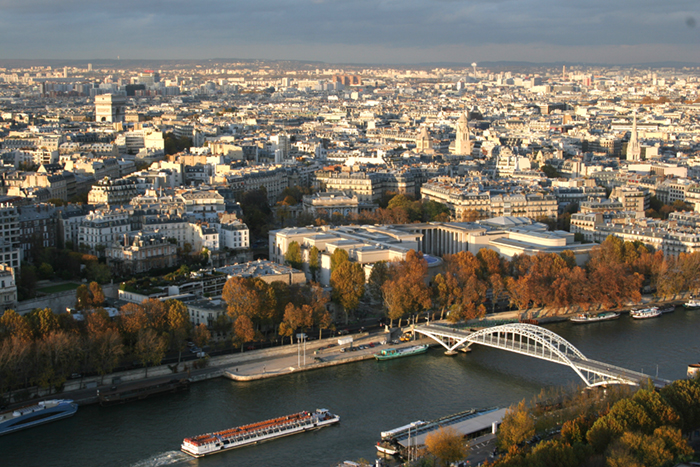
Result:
[
  {"x": 137, "y": 391},
  {"x": 219, "y": 441}
]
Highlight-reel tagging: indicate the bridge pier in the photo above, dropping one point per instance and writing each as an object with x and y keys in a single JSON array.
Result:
[{"x": 450, "y": 352}]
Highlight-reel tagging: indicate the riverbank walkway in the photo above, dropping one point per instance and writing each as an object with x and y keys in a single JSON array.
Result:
[{"x": 283, "y": 360}]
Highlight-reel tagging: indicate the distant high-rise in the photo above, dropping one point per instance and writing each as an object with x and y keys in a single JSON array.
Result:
[
  {"x": 89, "y": 66},
  {"x": 463, "y": 142},
  {"x": 110, "y": 108},
  {"x": 347, "y": 80},
  {"x": 634, "y": 150}
]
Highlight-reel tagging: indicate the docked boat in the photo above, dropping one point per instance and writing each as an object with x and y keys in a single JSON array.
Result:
[
  {"x": 211, "y": 443},
  {"x": 667, "y": 309},
  {"x": 645, "y": 313},
  {"x": 133, "y": 392},
  {"x": 468, "y": 423},
  {"x": 692, "y": 303},
  {"x": 388, "y": 354},
  {"x": 37, "y": 414},
  {"x": 584, "y": 318}
]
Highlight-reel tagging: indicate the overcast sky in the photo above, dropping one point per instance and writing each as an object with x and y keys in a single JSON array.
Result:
[{"x": 358, "y": 31}]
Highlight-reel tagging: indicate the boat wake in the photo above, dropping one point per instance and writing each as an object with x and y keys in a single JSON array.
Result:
[{"x": 162, "y": 459}]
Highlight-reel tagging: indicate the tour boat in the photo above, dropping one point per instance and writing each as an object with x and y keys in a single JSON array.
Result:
[
  {"x": 37, "y": 414},
  {"x": 645, "y": 313},
  {"x": 388, "y": 354},
  {"x": 587, "y": 318},
  {"x": 219, "y": 441},
  {"x": 692, "y": 303}
]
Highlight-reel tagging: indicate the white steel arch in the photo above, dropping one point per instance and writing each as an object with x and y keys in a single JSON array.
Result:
[{"x": 538, "y": 342}]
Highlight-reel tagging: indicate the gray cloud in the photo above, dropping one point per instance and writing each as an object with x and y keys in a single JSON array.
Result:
[{"x": 348, "y": 30}]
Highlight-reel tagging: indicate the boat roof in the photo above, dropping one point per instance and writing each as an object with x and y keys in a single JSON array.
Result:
[{"x": 465, "y": 426}]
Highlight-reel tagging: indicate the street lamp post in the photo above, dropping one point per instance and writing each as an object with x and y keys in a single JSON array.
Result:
[{"x": 301, "y": 336}]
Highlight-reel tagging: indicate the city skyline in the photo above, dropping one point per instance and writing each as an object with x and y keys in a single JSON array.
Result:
[{"x": 386, "y": 32}]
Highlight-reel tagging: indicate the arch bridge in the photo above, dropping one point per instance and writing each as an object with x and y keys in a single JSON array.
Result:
[{"x": 537, "y": 342}]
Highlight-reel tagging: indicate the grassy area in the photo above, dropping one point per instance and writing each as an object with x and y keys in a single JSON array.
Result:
[{"x": 59, "y": 288}]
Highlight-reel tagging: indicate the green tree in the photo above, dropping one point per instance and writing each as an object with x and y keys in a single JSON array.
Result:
[
  {"x": 314, "y": 263},
  {"x": 45, "y": 271},
  {"x": 683, "y": 396},
  {"x": 435, "y": 212},
  {"x": 338, "y": 257},
  {"x": 550, "y": 171},
  {"x": 293, "y": 255}
]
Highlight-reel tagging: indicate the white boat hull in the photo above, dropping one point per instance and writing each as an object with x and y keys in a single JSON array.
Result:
[{"x": 221, "y": 446}]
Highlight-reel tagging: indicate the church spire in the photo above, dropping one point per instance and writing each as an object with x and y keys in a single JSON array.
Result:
[{"x": 634, "y": 150}]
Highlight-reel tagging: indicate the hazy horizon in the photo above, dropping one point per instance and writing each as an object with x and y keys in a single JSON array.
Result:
[{"x": 354, "y": 31}]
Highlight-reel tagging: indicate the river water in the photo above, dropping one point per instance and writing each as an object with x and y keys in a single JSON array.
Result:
[{"x": 369, "y": 396}]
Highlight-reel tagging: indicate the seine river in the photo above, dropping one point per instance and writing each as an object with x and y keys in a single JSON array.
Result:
[{"x": 369, "y": 396}]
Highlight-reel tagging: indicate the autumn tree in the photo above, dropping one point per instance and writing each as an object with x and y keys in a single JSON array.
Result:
[
  {"x": 250, "y": 302},
  {"x": 295, "y": 317},
  {"x": 13, "y": 324},
  {"x": 57, "y": 356},
  {"x": 150, "y": 348},
  {"x": 319, "y": 300},
  {"x": 179, "y": 325},
  {"x": 132, "y": 319},
  {"x": 348, "y": 282},
  {"x": 463, "y": 284},
  {"x": 157, "y": 314},
  {"x": 517, "y": 426},
  {"x": 447, "y": 445},
  {"x": 406, "y": 291},
  {"x": 405, "y": 209},
  {"x": 377, "y": 277},
  {"x": 201, "y": 335},
  {"x": 554, "y": 453},
  {"x": 43, "y": 322},
  {"x": 15, "y": 356},
  {"x": 97, "y": 322},
  {"x": 96, "y": 296},
  {"x": 106, "y": 349},
  {"x": 82, "y": 297}
]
